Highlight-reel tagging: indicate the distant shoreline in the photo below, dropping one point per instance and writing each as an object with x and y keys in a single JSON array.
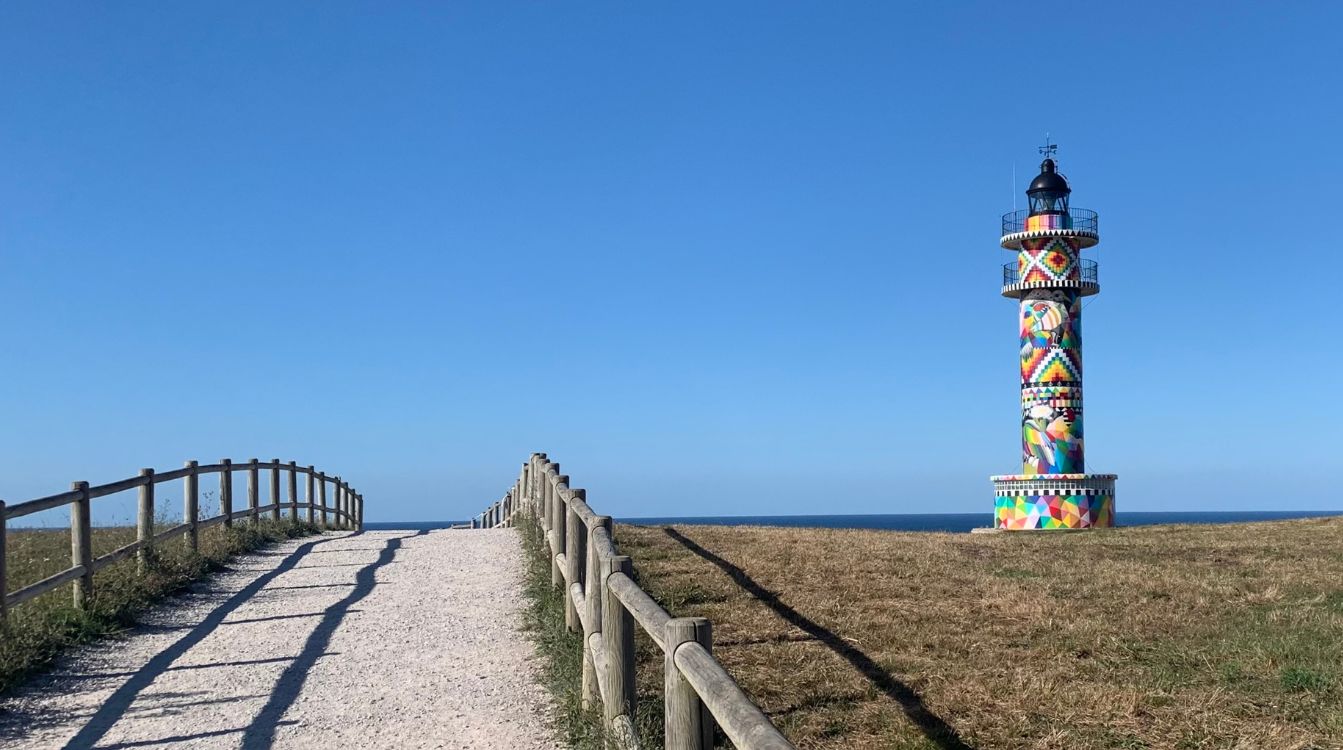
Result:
[{"x": 943, "y": 522}]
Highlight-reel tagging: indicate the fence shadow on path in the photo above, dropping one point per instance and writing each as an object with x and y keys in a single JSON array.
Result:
[
  {"x": 933, "y": 726},
  {"x": 260, "y": 732}
]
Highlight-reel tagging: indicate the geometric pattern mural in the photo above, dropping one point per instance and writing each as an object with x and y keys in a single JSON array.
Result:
[
  {"x": 1048, "y": 259},
  {"x": 1070, "y": 511},
  {"x": 1051, "y": 382},
  {"x": 1051, "y": 366},
  {"x": 1052, "y": 395}
]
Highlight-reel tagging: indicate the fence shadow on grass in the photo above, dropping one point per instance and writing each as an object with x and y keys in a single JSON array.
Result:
[{"x": 933, "y": 726}]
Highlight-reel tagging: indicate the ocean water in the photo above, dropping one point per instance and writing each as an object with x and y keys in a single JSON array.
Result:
[
  {"x": 964, "y": 522},
  {"x": 954, "y": 522}
]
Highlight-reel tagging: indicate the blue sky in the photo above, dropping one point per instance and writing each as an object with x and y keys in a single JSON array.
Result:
[{"x": 715, "y": 258}]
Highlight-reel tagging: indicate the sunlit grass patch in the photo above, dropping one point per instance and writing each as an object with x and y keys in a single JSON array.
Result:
[{"x": 1160, "y": 637}]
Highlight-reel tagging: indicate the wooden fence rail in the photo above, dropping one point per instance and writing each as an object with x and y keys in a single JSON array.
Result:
[
  {"x": 348, "y": 513},
  {"x": 603, "y": 603}
]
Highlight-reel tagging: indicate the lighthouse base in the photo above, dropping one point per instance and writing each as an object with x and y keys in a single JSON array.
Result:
[{"x": 1054, "y": 501}]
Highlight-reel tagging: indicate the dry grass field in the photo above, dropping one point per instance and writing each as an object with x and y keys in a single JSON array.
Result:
[{"x": 1224, "y": 636}]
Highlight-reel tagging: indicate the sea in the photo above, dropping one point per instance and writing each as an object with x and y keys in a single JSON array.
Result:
[{"x": 952, "y": 522}]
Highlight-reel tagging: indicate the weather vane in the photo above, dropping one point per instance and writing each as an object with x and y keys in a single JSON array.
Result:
[{"x": 1049, "y": 149}]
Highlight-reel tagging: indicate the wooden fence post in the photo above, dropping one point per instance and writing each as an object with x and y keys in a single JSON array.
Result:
[
  {"x": 524, "y": 489},
  {"x": 360, "y": 514},
  {"x": 293, "y": 491},
  {"x": 688, "y": 724},
  {"x": 321, "y": 498},
  {"x": 543, "y": 490},
  {"x": 618, "y": 642},
  {"x": 4, "y": 573},
  {"x": 532, "y": 465},
  {"x": 191, "y": 506},
  {"x": 593, "y": 593},
  {"x": 81, "y": 544},
  {"x": 556, "y": 504},
  {"x": 308, "y": 496},
  {"x": 558, "y": 528},
  {"x": 532, "y": 495},
  {"x": 574, "y": 554},
  {"x": 145, "y": 522},
  {"x": 275, "y": 489},
  {"x": 547, "y": 492},
  {"x": 226, "y": 491},
  {"x": 339, "y": 487},
  {"x": 346, "y": 497},
  {"x": 253, "y": 514}
]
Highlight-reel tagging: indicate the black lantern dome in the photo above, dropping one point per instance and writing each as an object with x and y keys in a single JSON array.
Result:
[{"x": 1048, "y": 193}]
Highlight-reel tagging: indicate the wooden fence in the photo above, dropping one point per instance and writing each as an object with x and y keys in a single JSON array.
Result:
[
  {"x": 347, "y": 512},
  {"x": 604, "y": 603}
]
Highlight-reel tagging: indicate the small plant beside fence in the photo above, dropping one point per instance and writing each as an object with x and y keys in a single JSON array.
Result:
[
  {"x": 604, "y": 603},
  {"x": 346, "y": 511}
]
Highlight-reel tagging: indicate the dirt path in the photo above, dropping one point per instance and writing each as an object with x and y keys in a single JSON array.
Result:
[{"x": 377, "y": 640}]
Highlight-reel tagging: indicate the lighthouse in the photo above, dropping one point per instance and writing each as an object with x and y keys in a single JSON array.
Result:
[{"x": 1049, "y": 279}]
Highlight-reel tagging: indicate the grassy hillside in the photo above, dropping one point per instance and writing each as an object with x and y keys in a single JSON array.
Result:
[{"x": 1155, "y": 637}]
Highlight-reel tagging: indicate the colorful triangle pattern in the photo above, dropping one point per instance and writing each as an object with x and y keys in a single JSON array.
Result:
[
  {"x": 1017, "y": 512},
  {"x": 1056, "y": 366},
  {"x": 1031, "y": 361}
]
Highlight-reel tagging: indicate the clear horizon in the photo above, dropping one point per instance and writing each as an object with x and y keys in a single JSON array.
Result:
[{"x": 719, "y": 258}]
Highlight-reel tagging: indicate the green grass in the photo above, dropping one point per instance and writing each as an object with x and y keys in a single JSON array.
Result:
[
  {"x": 561, "y": 651},
  {"x": 41, "y": 628},
  {"x": 562, "y": 665}
]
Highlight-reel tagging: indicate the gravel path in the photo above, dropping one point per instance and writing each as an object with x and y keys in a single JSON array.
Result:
[{"x": 385, "y": 639}]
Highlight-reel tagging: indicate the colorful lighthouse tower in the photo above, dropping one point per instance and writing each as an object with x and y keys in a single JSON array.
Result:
[{"x": 1049, "y": 278}]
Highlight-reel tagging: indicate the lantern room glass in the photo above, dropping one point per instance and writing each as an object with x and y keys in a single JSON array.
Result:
[{"x": 1049, "y": 202}]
